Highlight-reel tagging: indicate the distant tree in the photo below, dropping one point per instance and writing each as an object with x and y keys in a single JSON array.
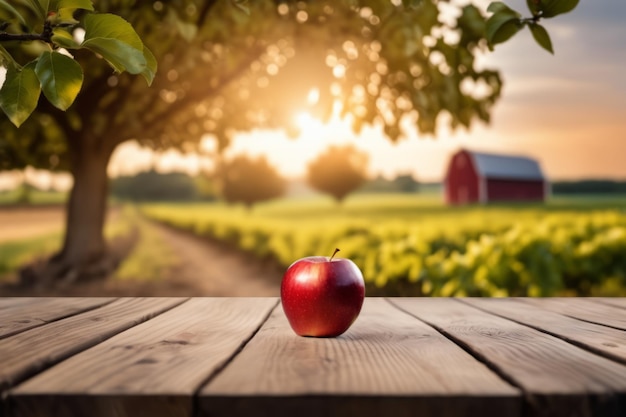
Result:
[
  {"x": 24, "y": 190},
  {"x": 25, "y": 193},
  {"x": 338, "y": 171},
  {"x": 406, "y": 183},
  {"x": 154, "y": 186},
  {"x": 205, "y": 186},
  {"x": 378, "y": 184},
  {"x": 402, "y": 183},
  {"x": 249, "y": 181},
  {"x": 589, "y": 187}
]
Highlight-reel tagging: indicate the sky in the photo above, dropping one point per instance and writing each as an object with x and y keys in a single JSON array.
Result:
[{"x": 568, "y": 110}]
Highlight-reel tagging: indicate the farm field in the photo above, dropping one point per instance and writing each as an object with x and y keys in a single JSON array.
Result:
[{"x": 408, "y": 245}]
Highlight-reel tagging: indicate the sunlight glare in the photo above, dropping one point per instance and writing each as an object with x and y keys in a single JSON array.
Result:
[
  {"x": 314, "y": 96},
  {"x": 307, "y": 123}
]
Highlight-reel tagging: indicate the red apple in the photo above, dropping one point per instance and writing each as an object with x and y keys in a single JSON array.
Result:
[{"x": 322, "y": 296}]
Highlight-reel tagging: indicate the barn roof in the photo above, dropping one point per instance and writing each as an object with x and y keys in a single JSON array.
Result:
[{"x": 506, "y": 166}]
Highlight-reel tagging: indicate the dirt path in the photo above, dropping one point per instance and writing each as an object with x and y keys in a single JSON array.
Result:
[
  {"x": 202, "y": 268},
  {"x": 26, "y": 222},
  {"x": 211, "y": 269}
]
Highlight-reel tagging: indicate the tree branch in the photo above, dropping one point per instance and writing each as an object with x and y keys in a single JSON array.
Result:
[
  {"x": 7, "y": 37},
  {"x": 45, "y": 36}
]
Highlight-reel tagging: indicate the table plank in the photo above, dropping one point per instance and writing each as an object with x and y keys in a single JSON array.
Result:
[
  {"x": 603, "y": 340},
  {"x": 24, "y": 354},
  {"x": 153, "y": 369},
  {"x": 11, "y": 302},
  {"x": 387, "y": 363},
  {"x": 583, "y": 309},
  {"x": 20, "y": 314},
  {"x": 613, "y": 301},
  {"x": 558, "y": 378}
]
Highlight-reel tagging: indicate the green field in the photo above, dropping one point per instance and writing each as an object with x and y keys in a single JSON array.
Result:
[
  {"x": 414, "y": 245},
  {"x": 37, "y": 197}
]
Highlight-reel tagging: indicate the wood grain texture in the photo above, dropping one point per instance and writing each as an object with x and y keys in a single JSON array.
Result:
[
  {"x": 119, "y": 359},
  {"x": 12, "y": 302},
  {"x": 24, "y": 354},
  {"x": 387, "y": 363},
  {"x": 20, "y": 314},
  {"x": 558, "y": 378},
  {"x": 153, "y": 369},
  {"x": 583, "y": 309},
  {"x": 619, "y": 302},
  {"x": 603, "y": 340}
]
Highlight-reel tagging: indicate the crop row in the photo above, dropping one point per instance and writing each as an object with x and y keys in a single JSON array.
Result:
[{"x": 555, "y": 254}]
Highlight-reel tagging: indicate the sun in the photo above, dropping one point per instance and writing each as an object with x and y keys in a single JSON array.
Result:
[
  {"x": 313, "y": 97},
  {"x": 307, "y": 123}
]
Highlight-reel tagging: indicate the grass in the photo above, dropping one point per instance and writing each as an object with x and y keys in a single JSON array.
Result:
[
  {"x": 151, "y": 258},
  {"x": 36, "y": 197},
  {"x": 15, "y": 254}
]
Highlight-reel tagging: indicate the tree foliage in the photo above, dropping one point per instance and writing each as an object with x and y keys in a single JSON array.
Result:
[
  {"x": 50, "y": 69},
  {"x": 338, "y": 171},
  {"x": 385, "y": 60},
  {"x": 419, "y": 73},
  {"x": 505, "y": 22},
  {"x": 249, "y": 181}
]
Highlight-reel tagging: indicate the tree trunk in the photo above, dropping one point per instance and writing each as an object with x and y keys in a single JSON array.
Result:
[
  {"x": 84, "y": 254},
  {"x": 87, "y": 206}
]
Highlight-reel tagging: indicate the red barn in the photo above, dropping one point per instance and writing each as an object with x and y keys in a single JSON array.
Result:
[{"x": 482, "y": 177}]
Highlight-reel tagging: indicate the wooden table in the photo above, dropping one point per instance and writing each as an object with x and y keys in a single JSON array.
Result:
[{"x": 239, "y": 357}]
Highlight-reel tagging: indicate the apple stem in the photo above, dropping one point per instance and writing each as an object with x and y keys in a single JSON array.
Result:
[{"x": 334, "y": 253}]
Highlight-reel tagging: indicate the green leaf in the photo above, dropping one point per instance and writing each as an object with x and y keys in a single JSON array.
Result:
[
  {"x": 35, "y": 6},
  {"x": 6, "y": 59},
  {"x": 64, "y": 39},
  {"x": 541, "y": 36},
  {"x": 503, "y": 24},
  {"x": 20, "y": 93},
  {"x": 506, "y": 31},
  {"x": 534, "y": 6},
  {"x": 44, "y": 6},
  {"x": 120, "y": 55},
  {"x": 67, "y": 16},
  {"x": 61, "y": 78},
  {"x": 151, "y": 66},
  {"x": 551, "y": 8},
  {"x": 6, "y": 6},
  {"x": 499, "y": 7},
  {"x": 111, "y": 26},
  {"x": 75, "y": 4},
  {"x": 116, "y": 40}
]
